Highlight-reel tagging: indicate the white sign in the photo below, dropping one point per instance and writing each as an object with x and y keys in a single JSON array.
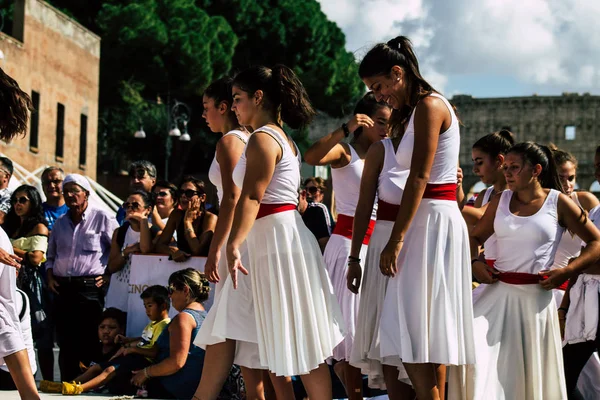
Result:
[{"x": 154, "y": 270}]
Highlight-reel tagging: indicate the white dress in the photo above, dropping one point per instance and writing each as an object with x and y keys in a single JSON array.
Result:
[
  {"x": 298, "y": 319},
  {"x": 427, "y": 313},
  {"x": 233, "y": 309},
  {"x": 22, "y": 306},
  {"x": 366, "y": 348},
  {"x": 11, "y": 335},
  {"x": 519, "y": 352},
  {"x": 346, "y": 186}
]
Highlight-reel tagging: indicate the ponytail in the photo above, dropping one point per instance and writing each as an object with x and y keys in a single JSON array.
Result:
[
  {"x": 496, "y": 143},
  {"x": 561, "y": 157}
]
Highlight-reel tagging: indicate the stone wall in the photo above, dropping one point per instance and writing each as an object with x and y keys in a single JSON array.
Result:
[{"x": 60, "y": 60}]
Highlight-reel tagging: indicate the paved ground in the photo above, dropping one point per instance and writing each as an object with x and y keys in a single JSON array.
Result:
[{"x": 13, "y": 395}]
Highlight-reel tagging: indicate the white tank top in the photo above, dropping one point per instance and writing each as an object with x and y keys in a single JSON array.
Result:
[
  {"x": 490, "y": 244},
  {"x": 527, "y": 244},
  {"x": 284, "y": 185},
  {"x": 214, "y": 173},
  {"x": 569, "y": 246},
  {"x": 346, "y": 185},
  {"x": 445, "y": 161},
  {"x": 392, "y": 178}
]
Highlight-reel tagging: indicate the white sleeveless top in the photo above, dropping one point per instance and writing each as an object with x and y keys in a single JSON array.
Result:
[
  {"x": 284, "y": 185},
  {"x": 346, "y": 185},
  {"x": 392, "y": 178},
  {"x": 490, "y": 244},
  {"x": 527, "y": 244},
  {"x": 214, "y": 173},
  {"x": 569, "y": 246},
  {"x": 445, "y": 161}
]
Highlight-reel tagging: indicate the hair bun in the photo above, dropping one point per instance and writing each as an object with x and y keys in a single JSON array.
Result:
[
  {"x": 398, "y": 42},
  {"x": 553, "y": 147}
]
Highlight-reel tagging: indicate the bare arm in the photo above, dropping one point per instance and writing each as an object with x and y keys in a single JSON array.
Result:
[
  {"x": 205, "y": 238},
  {"x": 180, "y": 331},
  {"x": 166, "y": 237},
  {"x": 587, "y": 200},
  {"x": 116, "y": 261},
  {"x": 482, "y": 230},
  {"x": 36, "y": 256}
]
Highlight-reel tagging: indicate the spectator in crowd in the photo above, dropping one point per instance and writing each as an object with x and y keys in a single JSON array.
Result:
[
  {"x": 14, "y": 114},
  {"x": 134, "y": 354},
  {"x": 6, "y": 171},
  {"x": 315, "y": 214},
  {"x": 77, "y": 257},
  {"x": 165, "y": 201},
  {"x": 179, "y": 362},
  {"x": 134, "y": 236},
  {"x": 54, "y": 206},
  {"x": 194, "y": 225},
  {"x": 22, "y": 307},
  {"x": 142, "y": 176}
]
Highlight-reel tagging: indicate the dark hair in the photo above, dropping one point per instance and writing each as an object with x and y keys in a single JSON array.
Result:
[
  {"x": 199, "y": 187},
  {"x": 117, "y": 315},
  {"x": 50, "y": 169},
  {"x": 534, "y": 154},
  {"x": 147, "y": 198},
  {"x": 159, "y": 294},
  {"x": 167, "y": 185},
  {"x": 318, "y": 181},
  {"x": 380, "y": 60},
  {"x": 561, "y": 156},
  {"x": 12, "y": 224},
  {"x": 145, "y": 165},
  {"x": 368, "y": 105},
  {"x": 8, "y": 164},
  {"x": 220, "y": 92},
  {"x": 15, "y": 105},
  {"x": 283, "y": 93},
  {"x": 496, "y": 143},
  {"x": 194, "y": 280}
]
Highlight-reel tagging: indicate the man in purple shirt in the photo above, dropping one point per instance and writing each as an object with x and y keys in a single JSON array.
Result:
[{"x": 77, "y": 256}]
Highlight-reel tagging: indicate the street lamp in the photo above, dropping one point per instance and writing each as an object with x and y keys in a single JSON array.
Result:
[{"x": 180, "y": 114}]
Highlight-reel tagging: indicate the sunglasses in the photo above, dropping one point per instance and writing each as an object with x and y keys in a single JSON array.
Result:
[
  {"x": 56, "y": 182},
  {"x": 138, "y": 173},
  {"x": 162, "y": 194},
  {"x": 312, "y": 189},
  {"x": 190, "y": 193},
  {"x": 134, "y": 205},
  {"x": 20, "y": 200}
]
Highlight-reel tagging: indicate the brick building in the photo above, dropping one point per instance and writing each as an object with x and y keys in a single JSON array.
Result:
[{"x": 56, "y": 61}]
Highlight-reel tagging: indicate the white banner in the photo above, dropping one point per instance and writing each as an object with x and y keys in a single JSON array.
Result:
[{"x": 154, "y": 270}]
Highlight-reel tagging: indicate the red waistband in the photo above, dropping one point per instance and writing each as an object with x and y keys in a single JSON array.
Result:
[
  {"x": 440, "y": 191},
  {"x": 268, "y": 209},
  {"x": 387, "y": 211},
  {"x": 520, "y": 278},
  {"x": 343, "y": 227},
  {"x": 490, "y": 262}
]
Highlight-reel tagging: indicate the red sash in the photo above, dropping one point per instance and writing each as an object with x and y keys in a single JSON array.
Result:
[
  {"x": 387, "y": 211},
  {"x": 268, "y": 209},
  {"x": 343, "y": 227},
  {"x": 440, "y": 191},
  {"x": 520, "y": 278},
  {"x": 490, "y": 262}
]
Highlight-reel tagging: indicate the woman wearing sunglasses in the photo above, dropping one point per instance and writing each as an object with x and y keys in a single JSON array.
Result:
[
  {"x": 194, "y": 225},
  {"x": 134, "y": 236},
  {"x": 165, "y": 201}
]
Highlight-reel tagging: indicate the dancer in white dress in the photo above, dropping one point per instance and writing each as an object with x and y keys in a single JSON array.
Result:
[
  {"x": 383, "y": 181},
  {"x": 232, "y": 310},
  {"x": 368, "y": 125},
  {"x": 525, "y": 361},
  {"x": 14, "y": 112},
  {"x": 427, "y": 313},
  {"x": 299, "y": 321}
]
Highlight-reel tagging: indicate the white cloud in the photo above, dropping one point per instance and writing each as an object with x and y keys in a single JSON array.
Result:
[{"x": 553, "y": 45}]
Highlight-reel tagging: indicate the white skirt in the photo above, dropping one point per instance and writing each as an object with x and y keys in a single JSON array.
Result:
[
  {"x": 232, "y": 313},
  {"x": 299, "y": 321},
  {"x": 366, "y": 348},
  {"x": 519, "y": 352},
  {"x": 11, "y": 336},
  {"x": 427, "y": 313},
  {"x": 336, "y": 261}
]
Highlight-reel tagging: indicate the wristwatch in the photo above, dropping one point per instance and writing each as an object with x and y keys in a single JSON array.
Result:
[{"x": 346, "y": 130}]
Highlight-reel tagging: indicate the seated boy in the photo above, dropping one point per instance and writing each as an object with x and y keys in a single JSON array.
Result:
[{"x": 134, "y": 354}]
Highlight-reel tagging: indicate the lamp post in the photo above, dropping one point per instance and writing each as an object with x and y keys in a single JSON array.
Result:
[{"x": 179, "y": 115}]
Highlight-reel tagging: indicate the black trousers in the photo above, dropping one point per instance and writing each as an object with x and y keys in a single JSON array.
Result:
[
  {"x": 77, "y": 313},
  {"x": 575, "y": 357}
]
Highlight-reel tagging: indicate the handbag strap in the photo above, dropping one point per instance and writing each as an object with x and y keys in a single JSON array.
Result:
[{"x": 24, "y": 307}]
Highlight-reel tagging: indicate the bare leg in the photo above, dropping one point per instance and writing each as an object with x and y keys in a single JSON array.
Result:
[
  {"x": 424, "y": 380},
  {"x": 318, "y": 383},
  {"x": 101, "y": 379},
  {"x": 20, "y": 371},
  {"x": 253, "y": 378},
  {"x": 282, "y": 386},
  {"x": 89, "y": 374},
  {"x": 441, "y": 380},
  {"x": 217, "y": 365},
  {"x": 268, "y": 386},
  {"x": 351, "y": 378},
  {"x": 396, "y": 390}
]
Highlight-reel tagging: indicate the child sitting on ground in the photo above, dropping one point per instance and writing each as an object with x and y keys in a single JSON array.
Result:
[{"x": 134, "y": 354}]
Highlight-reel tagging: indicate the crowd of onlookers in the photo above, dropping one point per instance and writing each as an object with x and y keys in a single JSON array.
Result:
[{"x": 74, "y": 278}]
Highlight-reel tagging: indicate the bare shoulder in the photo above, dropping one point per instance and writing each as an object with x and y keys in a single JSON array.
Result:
[
  {"x": 587, "y": 200},
  {"x": 40, "y": 229}
]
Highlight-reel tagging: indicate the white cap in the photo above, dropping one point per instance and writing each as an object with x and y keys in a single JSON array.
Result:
[{"x": 79, "y": 180}]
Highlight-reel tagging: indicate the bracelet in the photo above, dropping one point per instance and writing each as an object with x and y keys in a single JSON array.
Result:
[
  {"x": 146, "y": 374},
  {"x": 396, "y": 240},
  {"x": 563, "y": 309},
  {"x": 346, "y": 130},
  {"x": 352, "y": 258}
]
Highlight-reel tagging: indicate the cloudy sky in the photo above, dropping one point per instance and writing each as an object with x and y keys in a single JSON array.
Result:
[{"x": 486, "y": 48}]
